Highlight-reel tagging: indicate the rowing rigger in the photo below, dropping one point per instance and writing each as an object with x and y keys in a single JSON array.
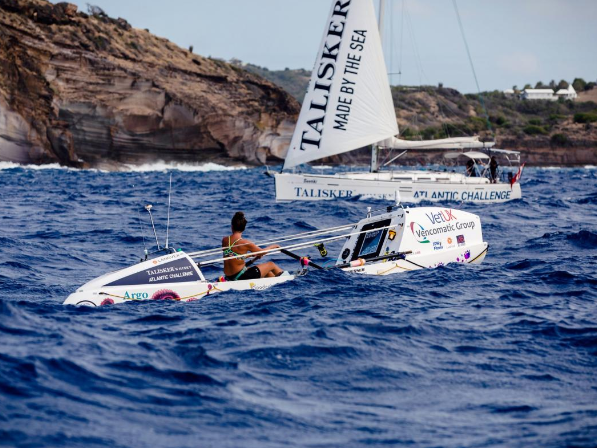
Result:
[{"x": 395, "y": 240}]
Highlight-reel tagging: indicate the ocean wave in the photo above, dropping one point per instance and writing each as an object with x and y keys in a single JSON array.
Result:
[
  {"x": 588, "y": 199},
  {"x": 290, "y": 357},
  {"x": 583, "y": 239},
  {"x": 185, "y": 167},
  {"x": 49, "y": 166},
  {"x": 130, "y": 368},
  {"x": 158, "y": 166}
]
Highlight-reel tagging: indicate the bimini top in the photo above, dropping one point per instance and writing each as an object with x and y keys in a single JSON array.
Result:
[
  {"x": 470, "y": 154},
  {"x": 505, "y": 151}
]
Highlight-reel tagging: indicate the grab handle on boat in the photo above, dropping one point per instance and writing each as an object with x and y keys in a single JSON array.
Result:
[{"x": 361, "y": 262}]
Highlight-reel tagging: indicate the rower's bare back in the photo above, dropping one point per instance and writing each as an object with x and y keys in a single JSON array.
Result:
[{"x": 240, "y": 247}]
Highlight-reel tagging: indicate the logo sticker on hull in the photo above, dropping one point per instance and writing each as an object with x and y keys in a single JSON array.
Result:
[
  {"x": 417, "y": 233},
  {"x": 460, "y": 240},
  {"x": 176, "y": 271}
]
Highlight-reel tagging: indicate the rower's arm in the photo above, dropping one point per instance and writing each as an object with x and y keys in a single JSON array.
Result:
[{"x": 252, "y": 247}]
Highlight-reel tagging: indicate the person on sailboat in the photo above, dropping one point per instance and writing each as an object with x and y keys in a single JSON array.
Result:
[
  {"x": 236, "y": 246},
  {"x": 470, "y": 168},
  {"x": 493, "y": 170}
]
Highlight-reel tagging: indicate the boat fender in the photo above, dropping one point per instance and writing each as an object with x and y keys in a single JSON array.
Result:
[{"x": 357, "y": 263}]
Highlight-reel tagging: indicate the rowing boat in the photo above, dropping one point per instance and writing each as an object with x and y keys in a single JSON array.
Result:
[{"x": 387, "y": 241}]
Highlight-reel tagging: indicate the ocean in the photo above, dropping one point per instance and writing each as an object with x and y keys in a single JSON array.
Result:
[{"x": 502, "y": 354}]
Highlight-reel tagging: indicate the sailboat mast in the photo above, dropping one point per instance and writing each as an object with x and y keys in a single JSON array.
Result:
[
  {"x": 382, "y": 9},
  {"x": 374, "y": 148}
]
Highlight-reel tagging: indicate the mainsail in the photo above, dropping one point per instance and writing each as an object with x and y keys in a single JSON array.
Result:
[{"x": 348, "y": 104}]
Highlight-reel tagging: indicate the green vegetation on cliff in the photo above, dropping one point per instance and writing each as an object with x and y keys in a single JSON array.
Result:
[
  {"x": 429, "y": 112},
  {"x": 294, "y": 82}
]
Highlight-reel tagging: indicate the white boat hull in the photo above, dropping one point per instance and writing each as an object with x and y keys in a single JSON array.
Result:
[
  {"x": 171, "y": 277},
  {"x": 474, "y": 254},
  {"x": 426, "y": 186},
  {"x": 413, "y": 238},
  {"x": 394, "y": 241}
]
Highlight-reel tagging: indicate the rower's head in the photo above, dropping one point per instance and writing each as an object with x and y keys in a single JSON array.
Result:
[{"x": 239, "y": 222}]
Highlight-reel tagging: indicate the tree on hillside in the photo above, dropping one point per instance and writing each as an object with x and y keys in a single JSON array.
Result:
[
  {"x": 96, "y": 11},
  {"x": 527, "y": 86},
  {"x": 552, "y": 84},
  {"x": 540, "y": 85},
  {"x": 579, "y": 84},
  {"x": 562, "y": 85}
]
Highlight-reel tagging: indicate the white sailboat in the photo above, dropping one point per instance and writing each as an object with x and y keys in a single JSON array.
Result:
[{"x": 349, "y": 106}]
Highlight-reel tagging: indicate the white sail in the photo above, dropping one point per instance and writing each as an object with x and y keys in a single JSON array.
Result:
[{"x": 348, "y": 104}]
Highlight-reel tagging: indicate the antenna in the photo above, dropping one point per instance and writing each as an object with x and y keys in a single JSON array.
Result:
[
  {"x": 168, "y": 224},
  {"x": 145, "y": 251},
  {"x": 142, "y": 234},
  {"x": 397, "y": 197},
  {"x": 148, "y": 207}
]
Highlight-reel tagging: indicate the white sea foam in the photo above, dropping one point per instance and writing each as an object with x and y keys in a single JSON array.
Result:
[
  {"x": 548, "y": 168},
  {"x": 148, "y": 167},
  {"x": 49, "y": 166},
  {"x": 163, "y": 166}
]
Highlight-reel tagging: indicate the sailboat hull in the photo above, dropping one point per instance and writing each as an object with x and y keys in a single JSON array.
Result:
[{"x": 411, "y": 186}]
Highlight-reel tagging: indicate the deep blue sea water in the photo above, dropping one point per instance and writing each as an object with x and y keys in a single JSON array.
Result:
[{"x": 502, "y": 354}]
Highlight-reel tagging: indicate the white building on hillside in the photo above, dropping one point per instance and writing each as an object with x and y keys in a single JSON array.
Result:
[
  {"x": 538, "y": 94},
  {"x": 547, "y": 94},
  {"x": 567, "y": 94},
  {"x": 509, "y": 93}
]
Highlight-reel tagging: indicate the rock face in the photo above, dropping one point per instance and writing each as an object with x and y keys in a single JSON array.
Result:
[{"x": 88, "y": 90}]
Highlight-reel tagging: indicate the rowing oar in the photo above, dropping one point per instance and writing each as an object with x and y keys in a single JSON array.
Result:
[
  {"x": 351, "y": 264},
  {"x": 304, "y": 260}
]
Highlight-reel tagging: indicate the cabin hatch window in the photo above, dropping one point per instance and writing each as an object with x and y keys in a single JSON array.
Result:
[{"x": 370, "y": 242}]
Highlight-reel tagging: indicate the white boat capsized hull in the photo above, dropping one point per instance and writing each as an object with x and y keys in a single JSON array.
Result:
[
  {"x": 397, "y": 240},
  {"x": 170, "y": 277},
  {"x": 424, "y": 237},
  {"x": 412, "y": 188},
  {"x": 474, "y": 254}
]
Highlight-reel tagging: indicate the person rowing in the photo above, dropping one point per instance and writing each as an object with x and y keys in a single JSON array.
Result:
[{"x": 236, "y": 246}]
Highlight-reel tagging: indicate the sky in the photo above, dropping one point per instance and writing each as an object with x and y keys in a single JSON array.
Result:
[{"x": 512, "y": 42}]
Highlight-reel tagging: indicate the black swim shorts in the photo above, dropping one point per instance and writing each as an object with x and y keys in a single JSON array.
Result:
[{"x": 249, "y": 274}]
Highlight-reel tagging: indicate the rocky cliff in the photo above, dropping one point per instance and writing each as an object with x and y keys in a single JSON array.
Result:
[{"x": 88, "y": 90}]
